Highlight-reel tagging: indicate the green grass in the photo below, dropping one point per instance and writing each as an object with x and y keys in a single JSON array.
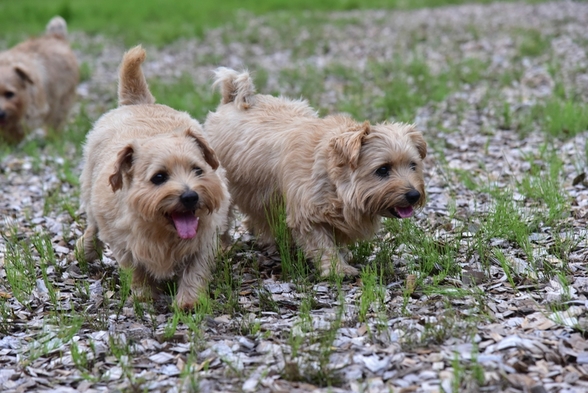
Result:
[
  {"x": 293, "y": 261},
  {"x": 21, "y": 269},
  {"x": 532, "y": 43},
  {"x": 563, "y": 118},
  {"x": 539, "y": 204},
  {"x": 430, "y": 257},
  {"x": 402, "y": 86},
  {"x": 159, "y": 22},
  {"x": 373, "y": 292},
  {"x": 310, "y": 348},
  {"x": 184, "y": 95}
]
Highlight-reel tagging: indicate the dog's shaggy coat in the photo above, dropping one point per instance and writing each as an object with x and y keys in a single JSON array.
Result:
[
  {"x": 38, "y": 80},
  {"x": 153, "y": 190},
  {"x": 335, "y": 176}
]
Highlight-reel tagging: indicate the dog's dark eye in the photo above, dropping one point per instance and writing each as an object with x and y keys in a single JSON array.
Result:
[
  {"x": 8, "y": 94},
  {"x": 383, "y": 171},
  {"x": 159, "y": 178},
  {"x": 198, "y": 171},
  {"x": 413, "y": 166}
]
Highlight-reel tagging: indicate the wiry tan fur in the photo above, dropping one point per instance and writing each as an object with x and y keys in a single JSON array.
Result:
[
  {"x": 277, "y": 150},
  {"x": 38, "y": 80},
  {"x": 126, "y": 148}
]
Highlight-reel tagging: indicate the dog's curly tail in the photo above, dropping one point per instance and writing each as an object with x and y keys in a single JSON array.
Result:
[
  {"x": 57, "y": 27},
  {"x": 235, "y": 87},
  {"x": 132, "y": 86}
]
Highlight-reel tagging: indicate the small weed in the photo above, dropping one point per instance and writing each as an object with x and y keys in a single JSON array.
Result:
[
  {"x": 458, "y": 374},
  {"x": 121, "y": 349},
  {"x": 468, "y": 376},
  {"x": 125, "y": 277},
  {"x": 507, "y": 220},
  {"x": 266, "y": 302},
  {"x": 563, "y": 118},
  {"x": 505, "y": 265},
  {"x": 85, "y": 71},
  {"x": 544, "y": 186},
  {"x": 307, "y": 82},
  {"x": 189, "y": 376},
  {"x": 69, "y": 326},
  {"x": 470, "y": 71},
  {"x": 83, "y": 361},
  {"x": 225, "y": 286},
  {"x": 185, "y": 95},
  {"x": 309, "y": 358},
  {"x": 509, "y": 76},
  {"x": 171, "y": 326},
  {"x": 468, "y": 179},
  {"x": 20, "y": 266},
  {"x": 564, "y": 242},
  {"x": 301, "y": 328},
  {"x": 507, "y": 121},
  {"x": 373, "y": 292},
  {"x": 6, "y": 315},
  {"x": 193, "y": 319},
  {"x": 430, "y": 257},
  {"x": 362, "y": 250},
  {"x": 294, "y": 266},
  {"x": 532, "y": 43}
]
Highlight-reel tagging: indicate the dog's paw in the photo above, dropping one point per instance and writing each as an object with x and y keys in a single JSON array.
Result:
[
  {"x": 143, "y": 293},
  {"x": 85, "y": 253},
  {"x": 185, "y": 303},
  {"x": 79, "y": 248},
  {"x": 340, "y": 269},
  {"x": 348, "y": 270}
]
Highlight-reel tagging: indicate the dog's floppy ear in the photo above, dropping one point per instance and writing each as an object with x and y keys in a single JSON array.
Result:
[
  {"x": 23, "y": 74},
  {"x": 418, "y": 140},
  {"x": 347, "y": 146},
  {"x": 209, "y": 154},
  {"x": 123, "y": 163}
]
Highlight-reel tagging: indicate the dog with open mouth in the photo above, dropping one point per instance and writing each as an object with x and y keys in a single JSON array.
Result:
[
  {"x": 336, "y": 177},
  {"x": 153, "y": 190}
]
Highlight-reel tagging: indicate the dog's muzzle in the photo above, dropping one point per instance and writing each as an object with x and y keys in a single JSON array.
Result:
[
  {"x": 189, "y": 199},
  {"x": 412, "y": 198}
]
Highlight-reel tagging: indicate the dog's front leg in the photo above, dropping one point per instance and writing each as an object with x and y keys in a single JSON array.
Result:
[
  {"x": 142, "y": 284},
  {"x": 89, "y": 247},
  {"x": 320, "y": 246},
  {"x": 193, "y": 281}
]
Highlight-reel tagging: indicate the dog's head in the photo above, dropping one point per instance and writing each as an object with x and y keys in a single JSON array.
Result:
[
  {"x": 14, "y": 81},
  {"x": 378, "y": 169},
  {"x": 170, "y": 180}
]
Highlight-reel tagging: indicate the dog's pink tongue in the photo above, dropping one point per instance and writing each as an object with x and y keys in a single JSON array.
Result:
[
  {"x": 186, "y": 224},
  {"x": 404, "y": 212}
]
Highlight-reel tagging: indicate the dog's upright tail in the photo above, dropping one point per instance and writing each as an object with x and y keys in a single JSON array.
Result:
[
  {"x": 57, "y": 27},
  {"x": 132, "y": 86},
  {"x": 235, "y": 87}
]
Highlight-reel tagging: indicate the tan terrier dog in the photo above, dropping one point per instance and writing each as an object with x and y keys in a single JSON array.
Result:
[
  {"x": 153, "y": 191},
  {"x": 38, "y": 80},
  {"x": 336, "y": 177}
]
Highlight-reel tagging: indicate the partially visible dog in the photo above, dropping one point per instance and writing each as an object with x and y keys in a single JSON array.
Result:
[
  {"x": 337, "y": 178},
  {"x": 38, "y": 80},
  {"x": 153, "y": 191}
]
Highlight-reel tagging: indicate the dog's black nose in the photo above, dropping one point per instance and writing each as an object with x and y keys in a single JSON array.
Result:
[
  {"x": 412, "y": 196},
  {"x": 189, "y": 199},
  {"x": 2, "y": 114}
]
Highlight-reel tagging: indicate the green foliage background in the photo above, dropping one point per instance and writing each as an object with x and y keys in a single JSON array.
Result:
[{"x": 162, "y": 21}]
